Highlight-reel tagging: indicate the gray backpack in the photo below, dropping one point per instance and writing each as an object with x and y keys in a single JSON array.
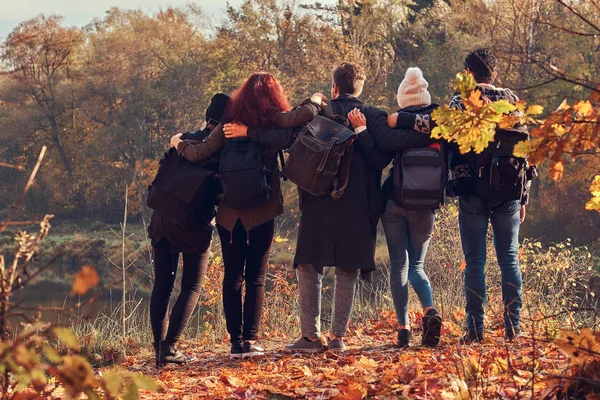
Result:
[{"x": 419, "y": 178}]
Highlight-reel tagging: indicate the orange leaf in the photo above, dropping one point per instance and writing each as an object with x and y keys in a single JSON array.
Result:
[
  {"x": 352, "y": 391},
  {"x": 475, "y": 98},
  {"x": 462, "y": 266},
  {"x": 84, "y": 280},
  {"x": 231, "y": 380},
  {"x": 556, "y": 170}
]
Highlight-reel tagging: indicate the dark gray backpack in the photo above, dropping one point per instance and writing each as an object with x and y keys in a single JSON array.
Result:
[{"x": 419, "y": 178}]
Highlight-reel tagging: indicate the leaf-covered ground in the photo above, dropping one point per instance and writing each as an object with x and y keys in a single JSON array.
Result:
[{"x": 371, "y": 368}]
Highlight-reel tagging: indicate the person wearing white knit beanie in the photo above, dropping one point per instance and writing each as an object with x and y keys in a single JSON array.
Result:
[{"x": 413, "y": 89}]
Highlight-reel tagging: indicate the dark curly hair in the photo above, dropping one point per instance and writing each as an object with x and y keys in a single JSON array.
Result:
[{"x": 482, "y": 63}]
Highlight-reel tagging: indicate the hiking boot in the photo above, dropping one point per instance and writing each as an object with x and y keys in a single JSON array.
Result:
[
  {"x": 236, "y": 350},
  {"x": 512, "y": 333},
  {"x": 305, "y": 345},
  {"x": 336, "y": 345},
  {"x": 168, "y": 354},
  {"x": 471, "y": 336},
  {"x": 251, "y": 349},
  {"x": 432, "y": 327},
  {"x": 404, "y": 336}
]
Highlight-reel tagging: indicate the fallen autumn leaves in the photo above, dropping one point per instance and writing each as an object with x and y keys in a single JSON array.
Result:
[{"x": 371, "y": 368}]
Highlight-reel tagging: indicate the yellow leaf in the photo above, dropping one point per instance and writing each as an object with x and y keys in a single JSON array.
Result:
[
  {"x": 65, "y": 336},
  {"x": 534, "y": 110},
  {"x": 584, "y": 108}
]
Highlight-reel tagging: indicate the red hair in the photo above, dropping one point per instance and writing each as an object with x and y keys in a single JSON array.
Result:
[{"x": 258, "y": 101}]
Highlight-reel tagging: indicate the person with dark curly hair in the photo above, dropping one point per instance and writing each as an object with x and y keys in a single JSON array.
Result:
[{"x": 471, "y": 176}]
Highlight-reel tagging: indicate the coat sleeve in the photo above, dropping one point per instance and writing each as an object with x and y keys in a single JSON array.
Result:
[
  {"x": 393, "y": 140},
  {"x": 300, "y": 115},
  {"x": 282, "y": 137},
  {"x": 377, "y": 158},
  {"x": 195, "y": 151},
  {"x": 272, "y": 139}
]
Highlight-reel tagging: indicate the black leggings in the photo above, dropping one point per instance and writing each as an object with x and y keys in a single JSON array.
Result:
[
  {"x": 165, "y": 272},
  {"x": 250, "y": 249}
]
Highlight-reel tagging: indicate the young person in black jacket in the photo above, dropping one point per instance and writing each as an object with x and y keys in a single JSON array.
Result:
[
  {"x": 407, "y": 231},
  {"x": 169, "y": 239}
]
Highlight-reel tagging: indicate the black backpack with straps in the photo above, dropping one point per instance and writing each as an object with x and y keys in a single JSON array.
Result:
[
  {"x": 319, "y": 159},
  {"x": 498, "y": 174},
  {"x": 184, "y": 192},
  {"x": 245, "y": 180}
]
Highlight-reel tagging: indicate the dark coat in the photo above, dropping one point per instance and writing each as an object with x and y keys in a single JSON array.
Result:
[
  {"x": 340, "y": 233},
  {"x": 180, "y": 239},
  {"x": 396, "y": 140},
  {"x": 227, "y": 216}
]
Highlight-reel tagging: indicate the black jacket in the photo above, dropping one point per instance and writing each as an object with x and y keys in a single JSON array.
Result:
[
  {"x": 180, "y": 239},
  {"x": 461, "y": 166},
  {"x": 396, "y": 140}
]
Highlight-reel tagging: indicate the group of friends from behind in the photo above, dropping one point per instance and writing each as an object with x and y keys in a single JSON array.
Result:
[{"x": 340, "y": 232}]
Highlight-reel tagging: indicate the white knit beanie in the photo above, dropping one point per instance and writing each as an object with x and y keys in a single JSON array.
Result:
[{"x": 413, "y": 89}]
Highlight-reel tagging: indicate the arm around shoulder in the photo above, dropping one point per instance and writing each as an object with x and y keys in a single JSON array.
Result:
[
  {"x": 200, "y": 151},
  {"x": 300, "y": 115},
  {"x": 393, "y": 140}
]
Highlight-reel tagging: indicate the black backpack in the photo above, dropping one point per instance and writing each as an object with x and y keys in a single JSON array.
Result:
[
  {"x": 184, "y": 192},
  {"x": 244, "y": 178},
  {"x": 319, "y": 159},
  {"x": 498, "y": 174},
  {"x": 419, "y": 178}
]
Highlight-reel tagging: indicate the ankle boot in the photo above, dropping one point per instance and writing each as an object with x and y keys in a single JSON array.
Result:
[
  {"x": 156, "y": 352},
  {"x": 168, "y": 354}
]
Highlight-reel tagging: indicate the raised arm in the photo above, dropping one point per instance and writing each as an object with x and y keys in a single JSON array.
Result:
[
  {"x": 365, "y": 143},
  {"x": 393, "y": 140},
  {"x": 195, "y": 151},
  {"x": 300, "y": 115}
]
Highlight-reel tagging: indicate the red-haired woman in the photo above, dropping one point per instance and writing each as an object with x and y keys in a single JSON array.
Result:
[{"x": 246, "y": 234}]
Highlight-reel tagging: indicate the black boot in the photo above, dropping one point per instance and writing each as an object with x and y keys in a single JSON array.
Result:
[
  {"x": 404, "y": 336},
  {"x": 168, "y": 354},
  {"x": 156, "y": 353},
  {"x": 432, "y": 327}
]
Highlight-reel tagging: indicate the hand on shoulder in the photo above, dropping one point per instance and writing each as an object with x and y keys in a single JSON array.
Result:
[
  {"x": 176, "y": 139},
  {"x": 234, "y": 130},
  {"x": 357, "y": 118}
]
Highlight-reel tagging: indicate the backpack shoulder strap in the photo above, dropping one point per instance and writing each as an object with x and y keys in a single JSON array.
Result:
[
  {"x": 282, "y": 162},
  {"x": 344, "y": 174}
]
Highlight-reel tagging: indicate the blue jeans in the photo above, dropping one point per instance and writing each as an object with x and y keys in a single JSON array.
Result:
[
  {"x": 407, "y": 233},
  {"x": 473, "y": 217}
]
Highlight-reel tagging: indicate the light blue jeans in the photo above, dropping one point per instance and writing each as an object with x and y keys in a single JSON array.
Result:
[
  {"x": 474, "y": 217},
  {"x": 408, "y": 233}
]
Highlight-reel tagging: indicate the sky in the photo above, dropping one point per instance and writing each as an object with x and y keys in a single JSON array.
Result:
[{"x": 81, "y": 12}]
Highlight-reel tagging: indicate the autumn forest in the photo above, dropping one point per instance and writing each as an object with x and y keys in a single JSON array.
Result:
[{"x": 102, "y": 101}]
